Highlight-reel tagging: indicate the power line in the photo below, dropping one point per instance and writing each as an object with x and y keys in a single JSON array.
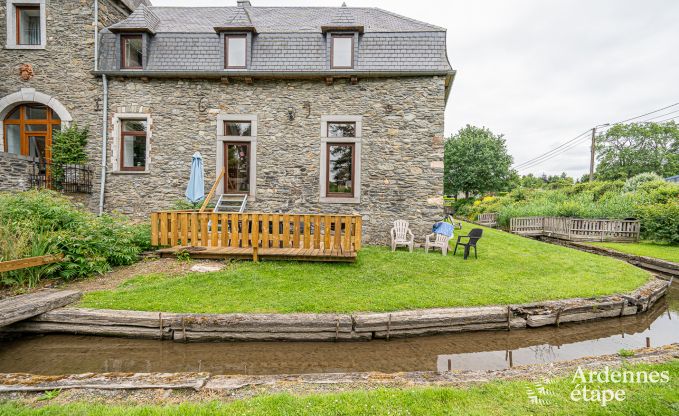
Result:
[
  {"x": 650, "y": 112},
  {"x": 579, "y": 139},
  {"x": 530, "y": 161},
  {"x": 553, "y": 155},
  {"x": 661, "y": 115},
  {"x": 667, "y": 119}
]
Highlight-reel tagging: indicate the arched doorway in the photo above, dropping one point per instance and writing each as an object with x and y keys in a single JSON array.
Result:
[{"x": 29, "y": 129}]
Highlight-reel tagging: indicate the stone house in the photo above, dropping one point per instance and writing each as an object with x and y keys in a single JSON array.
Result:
[{"x": 304, "y": 109}]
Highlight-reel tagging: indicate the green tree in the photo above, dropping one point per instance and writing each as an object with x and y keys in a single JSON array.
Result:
[
  {"x": 626, "y": 150},
  {"x": 68, "y": 146},
  {"x": 476, "y": 161}
]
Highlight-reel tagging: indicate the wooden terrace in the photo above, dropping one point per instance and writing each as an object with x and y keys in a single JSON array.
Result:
[{"x": 307, "y": 237}]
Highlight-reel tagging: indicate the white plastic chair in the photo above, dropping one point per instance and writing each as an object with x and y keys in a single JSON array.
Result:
[
  {"x": 440, "y": 241},
  {"x": 401, "y": 235}
]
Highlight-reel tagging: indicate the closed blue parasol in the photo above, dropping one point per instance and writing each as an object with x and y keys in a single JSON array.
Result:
[{"x": 195, "y": 192}]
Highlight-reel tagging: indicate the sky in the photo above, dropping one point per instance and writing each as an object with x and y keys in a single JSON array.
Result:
[{"x": 542, "y": 72}]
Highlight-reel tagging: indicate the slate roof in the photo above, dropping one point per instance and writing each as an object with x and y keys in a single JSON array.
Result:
[
  {"x": 142, "y": 19},
  {"x": 287, "y": 39}
]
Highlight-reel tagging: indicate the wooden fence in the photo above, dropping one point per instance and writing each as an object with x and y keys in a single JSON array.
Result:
[
  {"x": 488, "y": 219},
  {"x": 577, "y": 229},
  {"x": 256, "y": 230}
]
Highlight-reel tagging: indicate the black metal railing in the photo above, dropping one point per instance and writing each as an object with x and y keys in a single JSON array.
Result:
[{"x": 62, "y": 177}]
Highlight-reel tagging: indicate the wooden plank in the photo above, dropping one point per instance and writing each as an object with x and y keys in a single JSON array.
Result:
[
  {"x": 174, "y": 229},
  {"x": 347, "y": 233},
  {"x": 338, "y": 233},
  {"x": 204, "y": 241},
  {"x": 255, "y": 233},
  {"x": 18, "y": 308},
  {"x": 235, "y": 239},
  {"x": 155, "y": 241},
  {"x": 214, "y": 230},
  {"x": 194, "y": 230},
  {"x": 25, "y": 263},
  {"x": 224, "y": 221},
  {"x": 307, "y": 231},
  {"x": 286, "y": 230},
  {"x": 326, "y": 232},
  {"x": 184, "y": 221},
  {"x": 317, "y": 231},
  {"x": 163, "y": 229},
  {"x": 212, "y": 191},
  {"x": 358, "y": 233},
  {"x": 245, "y": 230},
  {"x": 265, "y": 218},
  {"x": 276, "y": 231},
  {"x": 296, "y": 230}
]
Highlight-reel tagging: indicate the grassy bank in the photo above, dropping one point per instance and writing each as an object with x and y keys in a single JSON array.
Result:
[
  {"x": 510, "y": 269},
  {"x": 495, "y": 398},
  {"x": 647, "y": 249}
]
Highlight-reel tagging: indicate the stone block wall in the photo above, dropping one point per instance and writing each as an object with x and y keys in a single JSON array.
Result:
[
  {"x": 15, "y": 172},
  {"x": 63, "y": 69},
  {"x": 402, "y": 144}
]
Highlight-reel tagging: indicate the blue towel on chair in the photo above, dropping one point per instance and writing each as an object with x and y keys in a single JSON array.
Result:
[{"x": 444, "y": 228}]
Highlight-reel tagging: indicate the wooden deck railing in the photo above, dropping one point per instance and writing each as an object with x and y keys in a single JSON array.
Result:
[
  {"x": 577, "y": 229},
  {"x": 261, "y": 230}
]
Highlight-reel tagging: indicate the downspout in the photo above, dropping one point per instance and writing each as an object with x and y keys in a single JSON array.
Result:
[
  {"x": 104, "y": 137},
  {"x": 96, "y": 35}
]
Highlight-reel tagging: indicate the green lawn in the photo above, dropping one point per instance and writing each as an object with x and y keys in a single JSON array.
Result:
[
  {"x": 645, "y": 248},
  {"x": 510, "y": 269},
  {"x": 495, "y": 398}
]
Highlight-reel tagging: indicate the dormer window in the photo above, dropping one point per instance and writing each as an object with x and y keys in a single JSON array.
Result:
[
  {"x": 342, "y": 52},
  {"x": 235, "y": 53},
  {"x": 132, "y": 52}
]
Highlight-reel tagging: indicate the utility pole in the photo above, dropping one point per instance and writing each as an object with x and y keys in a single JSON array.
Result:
[{"x": 591, "y": 156}]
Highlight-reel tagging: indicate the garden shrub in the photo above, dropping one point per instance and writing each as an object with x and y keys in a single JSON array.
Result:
[
  {"x": 52, "y": 224},
  {"x": 660, "y": 222},
  {"x": 633, "y": 183}
]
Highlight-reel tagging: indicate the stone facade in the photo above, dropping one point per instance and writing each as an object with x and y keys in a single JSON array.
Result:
[
  {"x": 15, "y": 172},
  {"x": 401, "y": 155},
  {"x": 401, "y": 144},
  {"x": 63, "y": 69}
]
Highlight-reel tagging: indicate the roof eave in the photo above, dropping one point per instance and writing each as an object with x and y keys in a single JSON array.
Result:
[
  {"x": 342, "y": 28},
  {"x": 132, "y": 30},
  {"x": 220, "y": 29}
]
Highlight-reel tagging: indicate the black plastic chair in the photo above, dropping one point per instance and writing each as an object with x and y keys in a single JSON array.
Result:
[{"x": 474, "y": 236}]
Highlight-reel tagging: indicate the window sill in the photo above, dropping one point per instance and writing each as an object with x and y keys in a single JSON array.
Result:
[
  {"x": 25, "y": 47},
  {"x": 339, "y": 200},
  {"x": 131, "y": 172}
]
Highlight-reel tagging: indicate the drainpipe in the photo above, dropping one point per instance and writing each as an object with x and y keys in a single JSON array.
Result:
[
  {"x": 104, "y": 137},
  {"x": 96, "y": 35}
]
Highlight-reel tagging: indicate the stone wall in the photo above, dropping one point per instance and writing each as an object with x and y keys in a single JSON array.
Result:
[
  {"x": 15, "y": 172},
  {"x": 63, "y": 69},
  {"x": 402, "y": 144}
]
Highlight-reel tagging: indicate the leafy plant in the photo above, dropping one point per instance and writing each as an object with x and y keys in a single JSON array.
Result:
[
  {"x": 633, "y": 183},
  {"x": 183, "y": 256},
  {"x": 43, "y": 222},
  {"x": 625, "y": 353},
  {"x": 50, "y": 394}
]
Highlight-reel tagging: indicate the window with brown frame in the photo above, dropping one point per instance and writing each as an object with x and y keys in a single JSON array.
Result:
[
  {"x": 133, "y": 145},
  {"x": 29, "y": 129},
  {"x": 342, "y": 52},
  {"x": 238, "y": 128},
  {"x": 340, "y": 173},
  {"x": 132, "y": 56},
  {"x": 28, "y": 25},
  {"x": 235, "y": 51}
]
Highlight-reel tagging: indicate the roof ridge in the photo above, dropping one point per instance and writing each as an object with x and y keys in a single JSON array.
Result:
[{"x": 410, "y": 19}]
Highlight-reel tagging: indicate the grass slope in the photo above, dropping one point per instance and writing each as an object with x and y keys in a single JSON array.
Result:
[
  {"x": 647, "y": 249},
  {"x": 495, "y": 398},
  {"x": 510, "y": 269}
]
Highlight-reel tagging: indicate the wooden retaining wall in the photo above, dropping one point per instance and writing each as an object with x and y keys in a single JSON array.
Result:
[
  {"x": 335, "y": 327},
  {"x": 577, "y": 229}
]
